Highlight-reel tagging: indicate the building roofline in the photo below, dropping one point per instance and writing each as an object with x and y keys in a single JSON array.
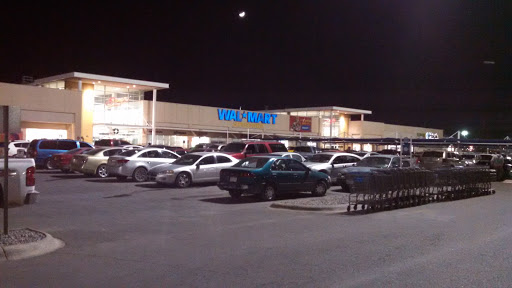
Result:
[
  {"x": 95, "y": 77},
  {"x": 324, "y": 108}
]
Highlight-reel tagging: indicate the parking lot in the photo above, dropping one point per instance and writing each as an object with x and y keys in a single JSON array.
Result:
[{"x": 126, "y": 234}]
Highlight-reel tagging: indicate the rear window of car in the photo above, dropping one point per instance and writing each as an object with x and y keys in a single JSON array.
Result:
[
  {"x": 278, "y": 147},
  {"x": 94, "y": 151},
  {"x": 436, "y": 154},
  {"x": 234, "y": 147},
  {"x": 129, "y": 153},
  {"x": 103, "y": 142},
  {"x": 85, "y": 145},
  {"x": 252, "y": 163},
  {"x": 48, "y": 144},
  {"x": 33, "y": 144}
]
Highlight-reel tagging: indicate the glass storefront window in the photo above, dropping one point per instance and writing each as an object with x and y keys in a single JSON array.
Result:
[{"x": 115, "y": 105}]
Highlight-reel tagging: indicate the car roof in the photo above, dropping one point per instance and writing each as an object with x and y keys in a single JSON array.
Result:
[
  {"x": 382, "y": 156},
  {"x": 207, "y": 153}
]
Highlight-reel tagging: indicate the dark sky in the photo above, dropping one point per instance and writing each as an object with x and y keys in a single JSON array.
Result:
[{"x": 410, "y": 62}]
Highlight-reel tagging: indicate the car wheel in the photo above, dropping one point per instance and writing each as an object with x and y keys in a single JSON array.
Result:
[
  {"x": 121, "y": 178},
  {"x": 183, "y": 180},
  {"x": 48, "y": 164},
  {"x": 235, "y": 194},
  {"x": 140, "y": 174},
  {"x": 320, "y": 189},
  {"x": 101, "y": 171},
  {"x": 269, "y": 193}
]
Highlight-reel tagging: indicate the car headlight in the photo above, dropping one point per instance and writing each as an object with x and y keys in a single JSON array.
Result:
[{"x": 166, "y": 172}]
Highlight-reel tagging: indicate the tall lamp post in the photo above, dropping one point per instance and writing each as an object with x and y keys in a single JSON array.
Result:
[{"x": 464, "y": 133}]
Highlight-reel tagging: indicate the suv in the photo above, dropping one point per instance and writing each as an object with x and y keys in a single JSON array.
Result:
[
  {"x": 43, "y": 149},
  {"x": 17, "y": 148},
  {"x": 111, "y": 142},
  {"x": 438, "y": 159},
  {"x": 242, "y": 150},
  {"x": 307, "y": 151}
]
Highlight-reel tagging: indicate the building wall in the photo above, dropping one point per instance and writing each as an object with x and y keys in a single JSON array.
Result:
[
  {"x": 174, "y": 115},
  {"x": 369, "y": 129},
  {"x": 57, "y": 108}
]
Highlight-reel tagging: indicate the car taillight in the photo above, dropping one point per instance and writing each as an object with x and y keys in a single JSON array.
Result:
[
  {"x": 247, "y": 175},
  {"x": 122, "y": 161},
  {"x": 30, "y": 178}
]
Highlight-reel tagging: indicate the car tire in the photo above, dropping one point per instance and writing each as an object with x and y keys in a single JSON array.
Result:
[
  {"x": 183, "y": 180},
  {"x": 48, "y": 164},
  {"x": 235, "y": 194},
  {"x": 121, "y": 178},
  {"x": 102, "y": 171},
  {"x": 320, "y": 189},
  {"x": 140, "y": 174},
  {"x": 269, "y": 193}
]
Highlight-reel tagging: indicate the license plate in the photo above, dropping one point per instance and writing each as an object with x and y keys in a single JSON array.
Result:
[{"x": 232, "y": 179}]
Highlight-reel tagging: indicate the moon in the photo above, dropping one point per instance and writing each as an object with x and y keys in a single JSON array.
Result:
[{"x": 241, "y": 14}]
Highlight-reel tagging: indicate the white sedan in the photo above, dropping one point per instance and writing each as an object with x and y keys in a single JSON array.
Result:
[{"x": 192, "y": 167}]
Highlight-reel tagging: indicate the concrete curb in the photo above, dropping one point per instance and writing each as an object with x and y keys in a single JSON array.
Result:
[
  {"x": 28, "y": 250},
  {"x": 308, "y": 208}
]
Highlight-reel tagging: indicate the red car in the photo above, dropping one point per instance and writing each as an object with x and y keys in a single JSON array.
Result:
[{"x": 62, "y": 161}]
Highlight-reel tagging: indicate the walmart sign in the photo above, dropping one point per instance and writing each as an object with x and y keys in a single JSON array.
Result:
[{"x": 252, "y": 117}]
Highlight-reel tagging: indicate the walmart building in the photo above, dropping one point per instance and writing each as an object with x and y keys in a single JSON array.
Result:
[{"x": 95, "y": 107}]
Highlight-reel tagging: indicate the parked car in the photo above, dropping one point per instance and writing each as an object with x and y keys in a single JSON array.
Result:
[
  {"x": 94, "y": 162},
  {"x": 111, "y": 142},
  {"x": 43, "y": 149},
  {"x": 17, "y": 148},
  {"x": 307, "y": 151},
  {"x": 207, "y": 147},
  {"x": 331, "y": 162},
  {"x": 181, "y": 152},
  {"x": 242, "y": 150},
  {"x": 291, "y": 148},
  {"x": 268, "y": 176},
  {"x": 129, "y": 147},
  {"x": 292, "y": 155},
  {"x": 438, "y": 159},
  {"x": 194, "y": 167},
  {"x": 176, "y": 149},
  {"x": 137, "y": 162},
  {"x": 62, "y": 161},
  {"x": 369, "y": 164},
  {"x": 469, "y": 159}
]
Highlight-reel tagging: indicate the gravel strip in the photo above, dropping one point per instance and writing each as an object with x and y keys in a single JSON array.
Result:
[
  {"x": 20, "y": 236},
  {"x": 326, "y": 201}
]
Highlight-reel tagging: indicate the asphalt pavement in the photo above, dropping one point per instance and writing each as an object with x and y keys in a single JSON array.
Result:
[{"x": 124, "y": 234}]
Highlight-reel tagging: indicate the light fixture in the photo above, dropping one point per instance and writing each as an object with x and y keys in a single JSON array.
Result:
[
  {"x": 134, "y": 86},
  {"x": 464, "y": 133},
  {"x": 99, "y": 81},
  {"x": 241, "y": 14},
  {"x": 94, "y": 83},
  {"x": 127, "y": 86}
]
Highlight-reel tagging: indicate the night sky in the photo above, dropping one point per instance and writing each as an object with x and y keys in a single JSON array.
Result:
[{"x": 411, "y": 62}]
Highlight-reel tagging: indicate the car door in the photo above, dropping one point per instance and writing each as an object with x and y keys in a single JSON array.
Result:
[
  {"x": 205, "y": 169},
  {"x": 250, "y": 150},
  {"x": 221, "y": 162},
  {"x": 281, "y": 175},
  {"x": 300, "y": 176}
]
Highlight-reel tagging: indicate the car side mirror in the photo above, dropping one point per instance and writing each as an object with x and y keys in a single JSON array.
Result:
[
  {"x": 332, "y": 165},
  {"x": 198, "y": 165}
]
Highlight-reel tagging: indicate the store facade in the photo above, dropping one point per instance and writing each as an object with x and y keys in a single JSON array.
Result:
[{"x": 92, "y": 107}]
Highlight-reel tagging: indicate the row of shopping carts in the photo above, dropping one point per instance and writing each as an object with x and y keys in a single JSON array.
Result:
[{"x": 382, "y": 189}]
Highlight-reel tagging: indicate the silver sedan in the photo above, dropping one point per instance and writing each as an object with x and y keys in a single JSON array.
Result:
[
  {"x": 292, "y": 155},
  {"x": 136, "y": 163},
  {"x": 192, "y": 167}
]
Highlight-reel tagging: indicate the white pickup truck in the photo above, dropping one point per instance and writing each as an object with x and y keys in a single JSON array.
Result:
[{"x": 21, "y": 181}]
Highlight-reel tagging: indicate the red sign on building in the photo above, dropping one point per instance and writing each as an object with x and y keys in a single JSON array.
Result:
[{"x": 300, "y": 124}]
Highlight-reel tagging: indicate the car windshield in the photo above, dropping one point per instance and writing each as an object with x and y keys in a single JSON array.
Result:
[
  {"x": 252, "y": 163},
  {"x": 234, "y": 147},
  {"x": 188, "y": 159},
  {"x": 485, "y": 157},
  {"x": 468, "y": 156},
  {"x": 377, "y": 162},
  {"x": 362, "y": 154},
  {"x": 129, "y": 153},
  {"x": 320, "y": 158},
  {"x": 436, "y": 154}
]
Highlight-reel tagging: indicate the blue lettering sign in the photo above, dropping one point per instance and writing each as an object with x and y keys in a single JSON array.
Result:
[{"x": 252, "y": 117}]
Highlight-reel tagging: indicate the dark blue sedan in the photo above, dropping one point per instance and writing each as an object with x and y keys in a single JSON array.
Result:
[{"x": 267, "y": 176}]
